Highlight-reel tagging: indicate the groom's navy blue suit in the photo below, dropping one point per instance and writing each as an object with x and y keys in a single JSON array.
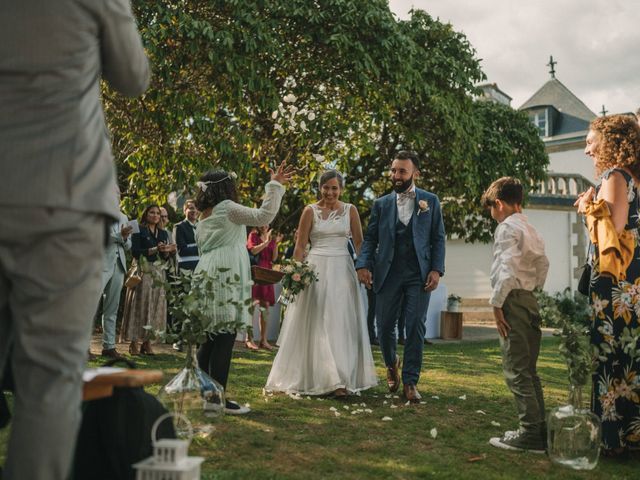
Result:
[{"x": 400, "y": 258}]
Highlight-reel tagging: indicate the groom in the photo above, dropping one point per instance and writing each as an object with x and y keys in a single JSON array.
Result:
[{"x": 402, "y": 257}]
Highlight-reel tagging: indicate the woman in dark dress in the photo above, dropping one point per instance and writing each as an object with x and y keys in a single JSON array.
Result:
[
  {"x": 146, "y": 304},
  {"x": 613, "y": 143}
]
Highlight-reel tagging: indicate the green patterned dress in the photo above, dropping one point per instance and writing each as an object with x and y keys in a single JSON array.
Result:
[
  {"x": 615, "y": 341},
  {"x": 221, "y": 240}
]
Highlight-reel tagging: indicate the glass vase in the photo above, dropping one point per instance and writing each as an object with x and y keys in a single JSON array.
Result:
[
  {"x": 573, "y": 434},
  {"x": 192, "y": 392}
]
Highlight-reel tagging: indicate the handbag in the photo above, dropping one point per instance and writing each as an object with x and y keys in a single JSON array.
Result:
[
  {"x": 134, "y": 276},
  {"x": 585, "y": 280}
]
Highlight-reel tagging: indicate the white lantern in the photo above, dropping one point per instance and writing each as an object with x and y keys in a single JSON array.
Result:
[{"x": 170, "y": 460}]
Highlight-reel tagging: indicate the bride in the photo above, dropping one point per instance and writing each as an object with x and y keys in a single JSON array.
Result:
[{"x": 324, "y": 343}]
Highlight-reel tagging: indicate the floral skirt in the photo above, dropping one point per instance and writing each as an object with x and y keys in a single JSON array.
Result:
[
  {"x": 144, "y": 305},
  {"x": 614, "y": 338}
]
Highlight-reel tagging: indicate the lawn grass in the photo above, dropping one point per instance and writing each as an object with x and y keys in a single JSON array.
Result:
[{"x": 284, "y": 438}]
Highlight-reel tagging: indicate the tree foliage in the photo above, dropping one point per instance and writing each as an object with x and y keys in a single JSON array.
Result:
[{"x": 243, "y": 84}]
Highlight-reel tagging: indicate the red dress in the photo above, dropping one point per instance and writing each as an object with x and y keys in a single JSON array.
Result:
[{"x": 264, "y": 293}]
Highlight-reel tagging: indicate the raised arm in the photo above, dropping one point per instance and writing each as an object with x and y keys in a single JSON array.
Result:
[{"x": 255, "y": 217}]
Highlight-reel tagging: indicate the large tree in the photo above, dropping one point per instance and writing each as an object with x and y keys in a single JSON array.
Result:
[{"x": 243, "y": 84}]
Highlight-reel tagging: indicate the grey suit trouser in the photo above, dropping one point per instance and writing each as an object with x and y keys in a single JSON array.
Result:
[
  {"x": 50, "y": 278},
  {"x": 112, "y": 282}
]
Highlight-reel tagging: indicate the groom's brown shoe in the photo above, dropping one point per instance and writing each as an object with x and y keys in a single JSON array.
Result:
[
  {"x": 393, "y": 375},
  {"x": 411, "y": 393}
]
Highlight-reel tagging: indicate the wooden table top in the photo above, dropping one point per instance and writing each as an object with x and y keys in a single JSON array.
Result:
[{"x": 102, "y": 385}]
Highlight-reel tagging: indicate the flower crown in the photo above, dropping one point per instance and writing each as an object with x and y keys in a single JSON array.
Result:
[{"x": 204, "y": 185}]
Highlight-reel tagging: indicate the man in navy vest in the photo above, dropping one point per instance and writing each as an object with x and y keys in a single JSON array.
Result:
[
  {"x": 185, "y": 234},
  {"x": 402, "y": 259}
]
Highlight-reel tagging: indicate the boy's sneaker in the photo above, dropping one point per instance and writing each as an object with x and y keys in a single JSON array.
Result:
[
  {"x": 519, "y": 441},
  {"x": 233, "y": 408}
]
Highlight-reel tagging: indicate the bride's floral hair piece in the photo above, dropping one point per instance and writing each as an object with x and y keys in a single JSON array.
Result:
[
  {"x": 214, "y": 187},
  {"x": 328, "y": 175}
]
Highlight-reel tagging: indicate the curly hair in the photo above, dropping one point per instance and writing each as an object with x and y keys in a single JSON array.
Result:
[
  {"x": 219, "y": 186},
  {"x": 619, "y": 145}
]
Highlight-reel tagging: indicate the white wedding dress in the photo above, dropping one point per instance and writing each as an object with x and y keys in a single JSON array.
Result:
[{"x": 324, "y": 343}]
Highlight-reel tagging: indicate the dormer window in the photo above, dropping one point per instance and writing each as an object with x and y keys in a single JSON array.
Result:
[{"x": 540, "y": 119}]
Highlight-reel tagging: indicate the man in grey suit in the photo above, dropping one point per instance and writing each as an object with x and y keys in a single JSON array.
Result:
[
  {"x": 113, "y": 272},
  {"x": 58, "y": 191},
  {"x": 402, "y": 258}
]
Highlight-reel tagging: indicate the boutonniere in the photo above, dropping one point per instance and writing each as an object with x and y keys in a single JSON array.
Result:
[{"x": 423, "y": 207}]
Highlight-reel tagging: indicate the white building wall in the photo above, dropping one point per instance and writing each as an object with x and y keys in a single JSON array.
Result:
[
  {"x": 467, "y": 268},
  {"x": 572, "y": 161},
  {"x": 556, "y": 227},
  {"x": 468, "y": 265}
]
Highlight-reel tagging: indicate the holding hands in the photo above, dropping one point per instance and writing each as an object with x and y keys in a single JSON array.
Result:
[{"x": 365, "y": 277}]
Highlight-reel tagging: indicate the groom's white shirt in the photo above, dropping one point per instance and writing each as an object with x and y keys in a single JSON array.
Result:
[{"x": 405, "y": 206}]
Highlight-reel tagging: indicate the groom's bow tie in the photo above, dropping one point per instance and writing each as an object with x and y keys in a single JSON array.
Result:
[{"x": 405, "y": 197}]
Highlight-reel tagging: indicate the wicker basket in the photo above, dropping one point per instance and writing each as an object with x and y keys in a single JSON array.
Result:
[{"x": 265, "y": 276}]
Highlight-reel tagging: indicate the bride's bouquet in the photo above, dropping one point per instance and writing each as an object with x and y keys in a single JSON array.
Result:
[{"x": 297, "y": 277}]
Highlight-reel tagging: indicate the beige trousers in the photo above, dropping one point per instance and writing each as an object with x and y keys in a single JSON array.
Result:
[{"x": 50, "y": 279}]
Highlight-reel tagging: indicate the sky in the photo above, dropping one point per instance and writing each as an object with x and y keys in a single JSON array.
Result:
[{"x": 596, "y": 44}]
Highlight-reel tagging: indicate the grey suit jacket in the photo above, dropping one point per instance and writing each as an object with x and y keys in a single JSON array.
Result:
[
  {"x": 114, "y": 253},
  {"x": 54, "y": 145}
]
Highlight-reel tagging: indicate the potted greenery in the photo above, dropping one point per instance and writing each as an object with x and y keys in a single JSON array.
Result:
[
  {"x": 188, "y": 296},
  {"x": 453, "y": 303},
  {"x": 573, "y": 430}
]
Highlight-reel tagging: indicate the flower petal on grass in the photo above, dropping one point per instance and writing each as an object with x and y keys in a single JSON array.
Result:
[
  {"x": 494, "y": 423},
  {"x": 462, "y": 397},
  {"x": 386, "y": 419},
  {"x": 435, "y": 397},
  {"x": 394, "y": 406},
  {"x": 337, "y": 414},
  {"x": 480, "y": 412},
  {"x": 477, "y": 459},
  {"x": 433, "y": 432},
  {"x": 333, "y": 409}
]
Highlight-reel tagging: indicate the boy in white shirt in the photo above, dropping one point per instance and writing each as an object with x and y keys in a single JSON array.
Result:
[{"x": 519, "y": 266}]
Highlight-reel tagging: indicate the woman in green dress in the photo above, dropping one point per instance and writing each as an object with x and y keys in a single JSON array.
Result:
[{"x": 221, "y": 238}]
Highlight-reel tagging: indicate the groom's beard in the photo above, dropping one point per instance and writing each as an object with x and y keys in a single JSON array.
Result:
[{"x": 402, "y": 187}]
